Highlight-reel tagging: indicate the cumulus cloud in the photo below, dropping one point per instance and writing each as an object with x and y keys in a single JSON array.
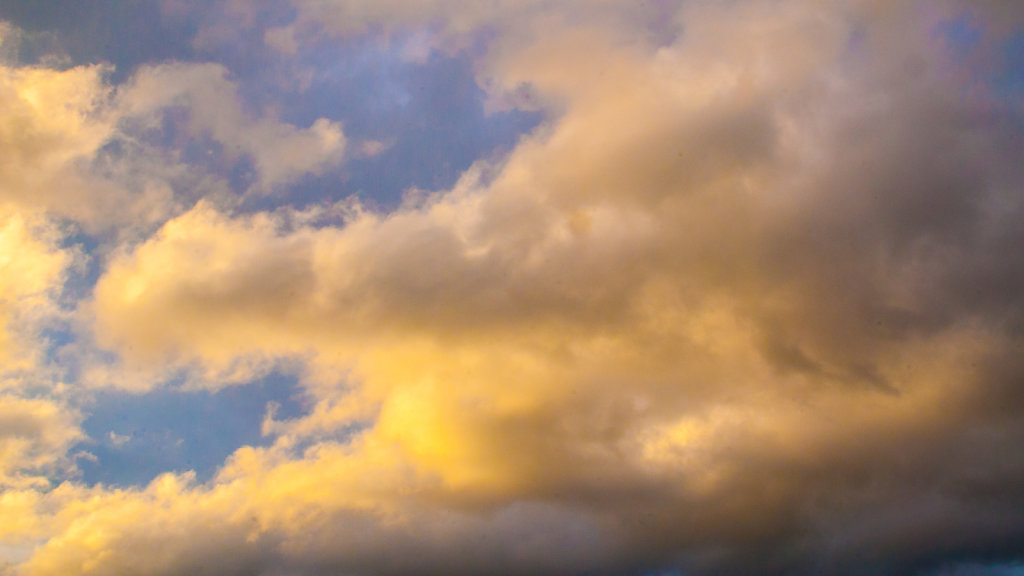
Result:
[
  {"x": 279, "y": 151},
  {"x": 38, "y": 144},
  {"x": 76, "y": 146},
  {"x": 56, "y": 127},
  {"x": 32, "y": 271},
  {"x": 748, "y": 301},
  {"x": 34, "y": 436},
  {"x": 51, "y": 121}
]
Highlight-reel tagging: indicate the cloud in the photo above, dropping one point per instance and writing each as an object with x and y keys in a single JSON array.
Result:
[
  {"x": 9, "y": 40},
  {"x": 453, "y": 19},
  {"x": 728, "y": 310},
  {"x": 279, "y": 151},
  {"x": 34, "y": 437},
  {"x": 118, "y": 440},
  {"x": 57, "y": 128},
  {"x": 50, "y": 121},
  {"x": 198, "y": 528},
  {"x": 32, "y": 271},
  {"x": 714, "y": 288},
  {"x": 80, "y": 148}
]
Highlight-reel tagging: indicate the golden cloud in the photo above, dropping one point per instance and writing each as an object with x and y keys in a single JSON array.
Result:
[
  {"x": 725, "y": 299},
  {"x": 32, "y": 270}
]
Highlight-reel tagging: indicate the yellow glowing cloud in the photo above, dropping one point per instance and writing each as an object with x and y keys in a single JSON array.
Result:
[
  {"x": 51, "y": 117},
  {"x": 670, "y": 319},
  {"x": 34, "y": 436},
  {"x": 49, "y": 121},
  {"x": 566, "y": 325},
  {"x": 54, "y": 123},
  {"x": 32, "y": 269}
]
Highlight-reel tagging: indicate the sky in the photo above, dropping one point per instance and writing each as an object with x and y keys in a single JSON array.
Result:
[{"x": 545, "y": 287}]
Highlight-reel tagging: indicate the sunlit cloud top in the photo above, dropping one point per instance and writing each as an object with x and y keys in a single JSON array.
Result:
[{"x": 511, "y": 287}]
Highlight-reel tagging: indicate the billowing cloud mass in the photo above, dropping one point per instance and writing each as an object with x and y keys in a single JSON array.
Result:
[{"x": 747, "y": 299}]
